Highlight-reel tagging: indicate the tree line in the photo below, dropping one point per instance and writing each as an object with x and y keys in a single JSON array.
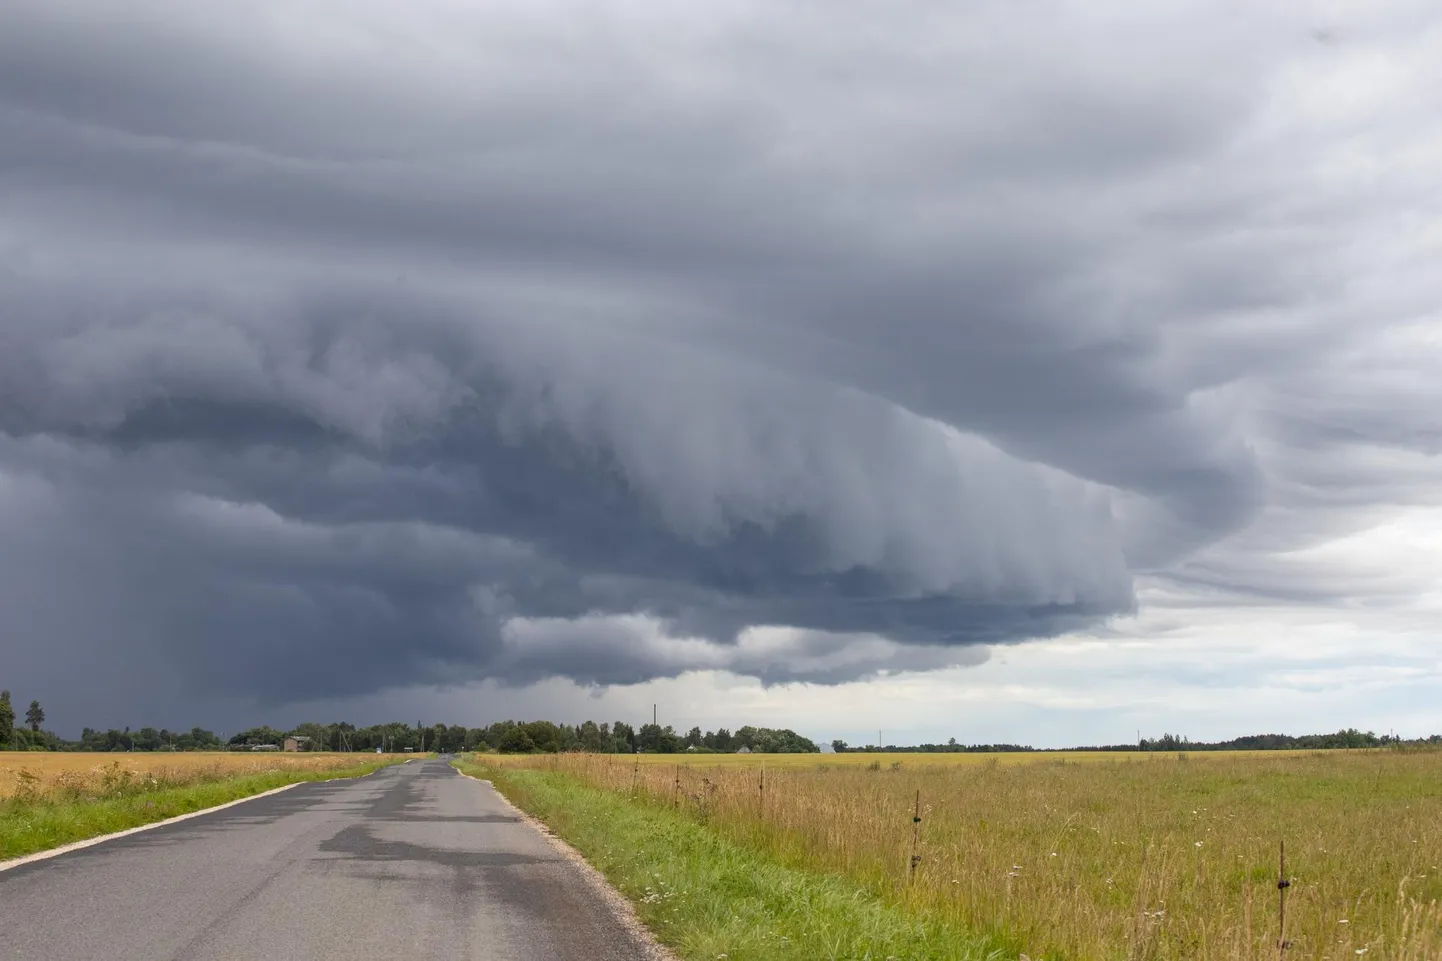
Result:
[
  {"x": 618, "y": 737},
  {"x": 1348, "y": 738},
  {"x": 507, "y": 737}
]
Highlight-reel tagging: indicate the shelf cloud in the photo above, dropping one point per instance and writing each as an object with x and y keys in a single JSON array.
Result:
[{"x": 349, "y": 346}]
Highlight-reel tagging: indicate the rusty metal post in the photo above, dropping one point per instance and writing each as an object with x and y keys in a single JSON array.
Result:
[{"x": 915, "y": 838}]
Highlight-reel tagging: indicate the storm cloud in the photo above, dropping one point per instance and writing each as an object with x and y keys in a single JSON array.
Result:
[{"x": 428, "y": 343}]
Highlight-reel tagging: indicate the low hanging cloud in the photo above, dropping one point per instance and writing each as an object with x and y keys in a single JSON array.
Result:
[{"x": 421, "y": 345}]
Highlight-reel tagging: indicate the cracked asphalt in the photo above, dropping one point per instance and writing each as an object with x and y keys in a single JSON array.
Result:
[{"x": 413, "y": 862}]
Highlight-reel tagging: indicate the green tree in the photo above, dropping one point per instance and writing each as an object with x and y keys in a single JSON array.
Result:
[
  {"x": 7, "y": 718},
  {"x": 648, "y": 739},
  {"x": 517, "y": 741},
  {"x": 625, "y": 737},
  {"x": 594, "y": 737},
  {"x": 35, "y": 716}
]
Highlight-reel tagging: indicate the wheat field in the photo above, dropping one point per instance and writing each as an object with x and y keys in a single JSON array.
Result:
[
  {"x": 43, "y": 773},
  {"x": 1146, "y": 857}
]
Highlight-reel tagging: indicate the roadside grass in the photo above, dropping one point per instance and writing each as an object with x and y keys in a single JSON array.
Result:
[
  {"x": 47, "y": 813},
  {"x": 707, "y": 897},
  {"x": 1168, "y": 858}
]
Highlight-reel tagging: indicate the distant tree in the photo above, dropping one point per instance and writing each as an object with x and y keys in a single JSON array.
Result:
[
  {"x": 7, "y": 717},
  {"x": 764, "y": 740},
  {"x": 544, "y": 735},
  {"x": 452, "y": 739},
  {"x": 693, "y": 737},
  {"x": 35, "y": 716},
  {"x": 517, "y": 741},
  {"x": 594, "y": 738},
  {"x": 625, "y": 735},
  {"x": 839, "y": 746},
  {"x": 265, "y": 734}
]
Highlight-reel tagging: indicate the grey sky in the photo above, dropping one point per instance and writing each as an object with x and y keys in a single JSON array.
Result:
[{"x": 436, "y": 345}]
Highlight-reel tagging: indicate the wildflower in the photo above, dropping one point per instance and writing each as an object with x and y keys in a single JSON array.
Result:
[
  {"x": 1199, "y": 844},
  {"x": 1344, "y": 921}
]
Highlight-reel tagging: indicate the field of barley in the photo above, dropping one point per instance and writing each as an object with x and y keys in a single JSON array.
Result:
[
  {"x": 1139, "y": 857},
  {"x": 42, "y": 773}
]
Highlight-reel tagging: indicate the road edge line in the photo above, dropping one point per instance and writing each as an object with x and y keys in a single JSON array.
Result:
[
  {"x": 49, "y": 853},
  {"x": 25, "y": 859}
]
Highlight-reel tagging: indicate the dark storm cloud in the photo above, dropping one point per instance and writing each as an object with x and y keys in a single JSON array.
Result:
[{"x": 426, "y": 346}]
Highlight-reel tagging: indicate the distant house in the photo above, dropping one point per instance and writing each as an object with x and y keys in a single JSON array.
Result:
[
  {"x": 744, "y": 750},
  {"x": 296, "y": 742}
]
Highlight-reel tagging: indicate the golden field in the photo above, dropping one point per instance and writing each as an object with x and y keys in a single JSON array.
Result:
[
  {"x": 40, "y": 773},
  {"x": 958, "y": 759},
  {"x": 1104, "y": 856}
]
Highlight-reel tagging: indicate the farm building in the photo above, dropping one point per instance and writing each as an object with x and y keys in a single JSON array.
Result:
[{"x": 297, "y": 742}]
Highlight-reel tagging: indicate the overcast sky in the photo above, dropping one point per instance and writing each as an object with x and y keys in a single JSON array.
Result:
[{"x": 1027, "y": 372}]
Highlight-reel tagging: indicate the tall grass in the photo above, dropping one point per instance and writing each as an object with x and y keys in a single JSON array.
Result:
[
  {"x": 75, "y": 803},
  {"x": 83, "y": 774},
  {"x": 1167, "y": 858},
  {"x": 707, "y": 897}
]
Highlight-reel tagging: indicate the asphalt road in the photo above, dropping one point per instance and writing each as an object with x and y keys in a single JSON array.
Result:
[{"x": 414, "y": 862}]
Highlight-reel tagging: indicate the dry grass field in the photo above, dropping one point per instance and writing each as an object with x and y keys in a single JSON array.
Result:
[
  {"x": 1108, "y": 856},
  {"x": 958, "y": 759},
  {"x": 42, "y": 773}
]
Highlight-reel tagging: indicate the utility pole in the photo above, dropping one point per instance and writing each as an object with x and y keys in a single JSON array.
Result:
[{"x": 653, "y": 715}]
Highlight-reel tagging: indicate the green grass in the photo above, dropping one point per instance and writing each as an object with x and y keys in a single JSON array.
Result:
[
  {"x": 1164, "y": 859},
  {"x": 31, "y": 825},
  {"x": 708, "y": 898}
]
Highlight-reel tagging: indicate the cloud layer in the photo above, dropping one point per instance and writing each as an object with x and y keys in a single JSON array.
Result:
[{"x": 428, "y": 344}]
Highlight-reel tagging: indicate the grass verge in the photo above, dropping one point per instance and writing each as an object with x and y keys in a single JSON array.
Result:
[
  {"x": 29, "y": 825},
  {"x": 706, "y": 897}
]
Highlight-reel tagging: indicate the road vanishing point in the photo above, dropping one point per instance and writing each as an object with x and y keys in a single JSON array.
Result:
[{"x": 413, "y": 862}]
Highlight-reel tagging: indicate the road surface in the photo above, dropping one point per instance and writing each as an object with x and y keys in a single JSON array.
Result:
[{"x": 414, "y": 862}]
